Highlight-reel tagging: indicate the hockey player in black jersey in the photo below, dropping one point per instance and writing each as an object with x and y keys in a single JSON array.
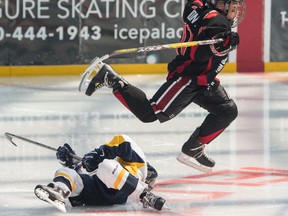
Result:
[
  {"x": 191, "y": 78},
  {"x": 114, "y": 171}
]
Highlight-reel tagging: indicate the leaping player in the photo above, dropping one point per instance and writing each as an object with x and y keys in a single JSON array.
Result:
[{"x": 191, "y": 78}]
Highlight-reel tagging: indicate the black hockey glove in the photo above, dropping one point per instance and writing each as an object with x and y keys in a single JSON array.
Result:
[
  {"x": 231, "y": 42},
  {"x": 234, "y": 40},
  {"x": 91, "y": 160},
  {"x": 63, "y": 155}
]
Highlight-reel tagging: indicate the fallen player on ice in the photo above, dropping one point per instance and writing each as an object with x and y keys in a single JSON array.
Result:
[{"x": 116, "y": 170}]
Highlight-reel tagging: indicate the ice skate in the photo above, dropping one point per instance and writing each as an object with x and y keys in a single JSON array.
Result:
[
  {"x": 151, "y": 200},
  {"x": 95, "y": 66},
  {"x": 105, "y": 76},
  {"x": 53, "y": 195},
  {"x": 193, "y": 155}
]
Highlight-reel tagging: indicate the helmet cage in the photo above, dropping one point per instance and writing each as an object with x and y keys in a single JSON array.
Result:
[{"x": 240, "y": 12}]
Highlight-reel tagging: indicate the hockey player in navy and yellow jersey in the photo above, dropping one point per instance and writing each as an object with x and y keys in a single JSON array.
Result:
[{"x": 112, "y": 173}]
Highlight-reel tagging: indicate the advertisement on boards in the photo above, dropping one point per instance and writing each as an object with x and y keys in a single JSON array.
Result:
[
  {"x": 49, "y": 32},
  {"x": 279, "y": 31}
]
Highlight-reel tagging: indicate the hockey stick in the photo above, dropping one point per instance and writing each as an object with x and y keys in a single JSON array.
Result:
[
  {"x": 93, "y": 66},
  {"x": 160, "y": 47},
  {"x": 10, "y": 137}
]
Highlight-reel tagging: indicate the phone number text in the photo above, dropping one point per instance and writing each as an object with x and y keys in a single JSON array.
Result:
[{"x": 60, "y": 33}]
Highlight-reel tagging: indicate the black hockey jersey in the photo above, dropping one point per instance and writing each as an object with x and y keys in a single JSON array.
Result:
[{"x": 199, "y": 62}]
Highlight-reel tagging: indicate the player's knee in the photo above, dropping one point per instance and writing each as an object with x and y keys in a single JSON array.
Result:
[
  {"x": 147, "y": 118},
  {"x": 232, "y": 110},
  {"x": 110, "y": 171},
  {"x": 65, "y": 170}
]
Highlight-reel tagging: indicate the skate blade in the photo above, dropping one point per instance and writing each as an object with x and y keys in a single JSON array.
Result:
[
  {"x": 44, "y": 195},
  {"x": 84, "y": 81},
  {"x": 166, "y": 207},
  {"x": 185, "y": 159}
]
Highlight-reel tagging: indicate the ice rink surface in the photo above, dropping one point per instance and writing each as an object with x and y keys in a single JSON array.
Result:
[{"x": 250, "y": 177}]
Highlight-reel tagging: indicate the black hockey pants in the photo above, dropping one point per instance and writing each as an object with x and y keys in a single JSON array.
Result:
[{"x": 176, "y": 94}]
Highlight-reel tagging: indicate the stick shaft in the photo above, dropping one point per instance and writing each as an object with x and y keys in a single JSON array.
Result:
[
  {"x": 10, "y": 137},
  {"x": 160, "y": 47},
  {"x": 167, "y": 46}
]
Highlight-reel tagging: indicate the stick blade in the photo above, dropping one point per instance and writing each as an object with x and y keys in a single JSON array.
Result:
[{"x": 9, "y": 137}]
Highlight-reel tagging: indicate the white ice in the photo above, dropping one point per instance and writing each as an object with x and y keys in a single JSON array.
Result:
[{"x": 250, "y": 177}]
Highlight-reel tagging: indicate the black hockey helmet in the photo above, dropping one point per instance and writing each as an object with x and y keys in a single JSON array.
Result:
[{"x": 224, "y": 6}]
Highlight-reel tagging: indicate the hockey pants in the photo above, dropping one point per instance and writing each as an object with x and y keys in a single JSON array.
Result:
[{"x": 174, "y": 96}]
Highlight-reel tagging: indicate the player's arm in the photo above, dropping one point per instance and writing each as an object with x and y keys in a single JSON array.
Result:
[
  {"x": 219, "y": 27},
  {"x": 63, "y": 155},
  {"x": 208, "y": 79},
  {"x": 121, "y": 147},
  {"x": 213, "y": 24},
  {"x": 192, "y": 11},
  {"x": 117, "y": 147}
]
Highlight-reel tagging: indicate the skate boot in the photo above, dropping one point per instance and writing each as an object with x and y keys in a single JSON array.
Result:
[
  {"x": 52, "y": 194},
  {"x": 105, "y": 77},
  {"x": 194, "y": 149},
  {"x": 151, "y": 177},
  {"x": 151, "y": 200}
]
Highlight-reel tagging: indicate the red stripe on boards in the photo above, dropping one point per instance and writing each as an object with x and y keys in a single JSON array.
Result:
[{"x": 250, "y": 51}]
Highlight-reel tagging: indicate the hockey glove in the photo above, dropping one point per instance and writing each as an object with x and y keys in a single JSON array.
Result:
[
  {"x": 151, "y": 176},
  {"x": 231, "y": 42},
  {"x": 63, "y": 155},
  {"x": 91, "y": 160}
]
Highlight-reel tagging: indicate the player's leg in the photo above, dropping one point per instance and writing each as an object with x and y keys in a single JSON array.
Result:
[
  {"x": 151, "y": 177},
  {"x": 170, "y": 99},
  {"x": 113, "y": 175},
  {"x": 66, "y": 183},
  {"x": 165, "y": 104},
  {"x": 193, "y": 154},
  {"x": 105, "y": 76},
  {"x": 132, "y": 158},
  {"x": 128, "y": 154},
  {"x": 222, "y": 111},
  {"x": 135, "y": 100}
]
